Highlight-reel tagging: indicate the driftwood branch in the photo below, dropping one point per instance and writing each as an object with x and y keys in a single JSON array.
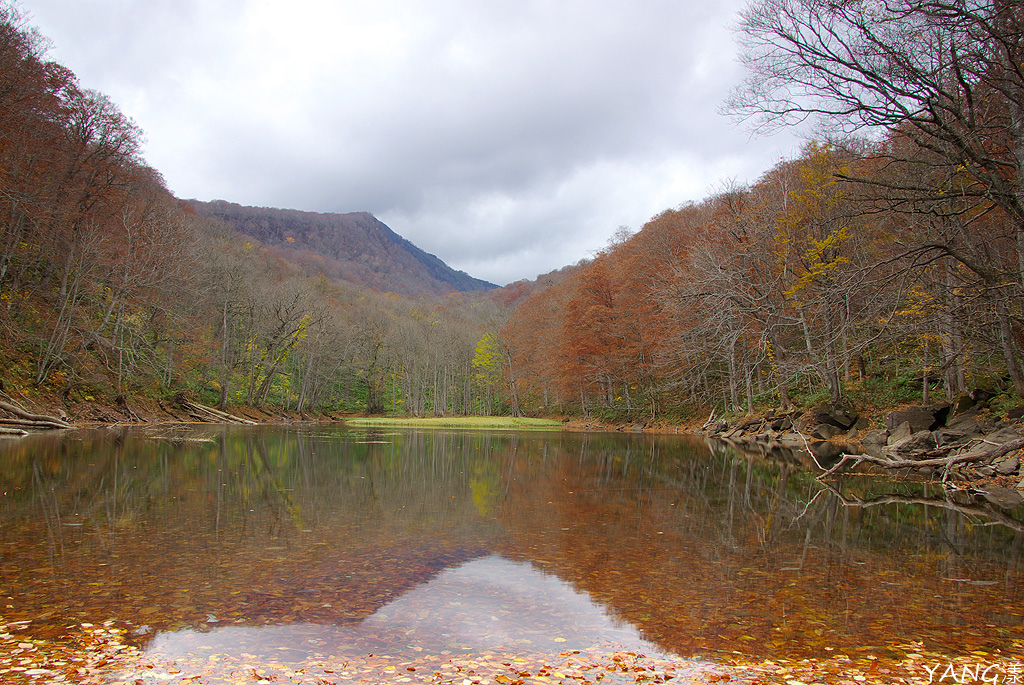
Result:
[
  {"x": 945, "y": 462},
  {"x": 12, "y": 431},
  {"x": 29, "y": 419},
  {"x": 215, "y": 415}
]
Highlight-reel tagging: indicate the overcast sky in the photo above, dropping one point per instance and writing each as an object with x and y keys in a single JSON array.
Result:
[{"x": 508, "y": 137}]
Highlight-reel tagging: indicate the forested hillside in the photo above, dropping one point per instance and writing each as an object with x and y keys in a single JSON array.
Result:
[
  {"x": 354, "y": 247},
  {"x": 113, "y": 289},
  {"x": 884, "y": 264}
]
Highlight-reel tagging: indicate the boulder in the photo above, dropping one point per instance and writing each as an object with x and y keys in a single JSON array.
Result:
[
  {"x": 1006, "y": 498},
  {"x": 1007, "y": 467},
  {"x": 842, "y": 417},
  {"x": 825, "y": 451},
  {"x": 874, "y": 440},
  {"x": 981, "y": 397},
  {"x": 908, "y": 448},
  {"x": 947, "y": 436},
  {"x": 793, "y": 440},
  {"x": 1016, "y": 413},
  {"x": 919, "y": 418},
  {"x": 1004, "y": 435},
  {"x": 900, "y": 433},
  {"x": 940, "y": 411},
  {"x": 962, "y": 404},
  {"x": 969, "y": 422},
  {"x": 826, "y": 431}
]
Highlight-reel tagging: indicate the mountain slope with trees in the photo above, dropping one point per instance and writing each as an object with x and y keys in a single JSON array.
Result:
[
  {"x": 881, "y": 268},
  {"x": 113, "y": 290},
  {"x": 884, "y": 264},
  {"x": 354, "y": 247}
]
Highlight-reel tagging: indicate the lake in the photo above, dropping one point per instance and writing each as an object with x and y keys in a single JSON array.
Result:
[{"x": 327, "y": 542}]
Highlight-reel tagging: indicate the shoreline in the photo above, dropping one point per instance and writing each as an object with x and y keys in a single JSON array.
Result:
[{"x": 963, "y": 443}]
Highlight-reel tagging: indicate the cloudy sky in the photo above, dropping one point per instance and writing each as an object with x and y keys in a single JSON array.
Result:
[{"x": 508, "y": 137}]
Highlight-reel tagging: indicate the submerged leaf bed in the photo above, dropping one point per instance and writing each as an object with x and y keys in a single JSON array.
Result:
[{"x": 99, "y": 655}]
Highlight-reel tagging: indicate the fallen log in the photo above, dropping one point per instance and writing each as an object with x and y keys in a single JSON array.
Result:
[
  {"x": 12, "y": 431},
  {"x": 31, "y": 424},
  {"x": 35, "y": 420},
  {"x": 216, "y": 414}
]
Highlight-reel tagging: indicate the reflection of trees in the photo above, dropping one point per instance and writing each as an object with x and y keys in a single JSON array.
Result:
[
  {"x": 697, "y": 548},
  {"x": 982, "y": 513},
  {"x": 249, "y": 525},
  {"x": 706, "y": 551}
]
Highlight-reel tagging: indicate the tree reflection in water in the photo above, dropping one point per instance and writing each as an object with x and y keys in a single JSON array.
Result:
[{"x": 700, "y": 551}]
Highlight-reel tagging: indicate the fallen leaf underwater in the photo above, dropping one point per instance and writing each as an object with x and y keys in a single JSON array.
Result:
[{"x": 429, "y": 557}]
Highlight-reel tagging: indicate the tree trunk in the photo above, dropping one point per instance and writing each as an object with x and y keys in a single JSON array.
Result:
[{"x": 1009, "y": 354}]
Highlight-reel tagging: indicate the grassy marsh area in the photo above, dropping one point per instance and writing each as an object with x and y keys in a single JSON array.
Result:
[{"x": 489, "y": 422}]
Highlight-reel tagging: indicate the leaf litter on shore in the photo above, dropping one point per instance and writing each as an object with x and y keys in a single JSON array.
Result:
[{"x": 100, "y": 655}]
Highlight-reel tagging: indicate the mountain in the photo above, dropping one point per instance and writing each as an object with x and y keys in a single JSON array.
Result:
[{"x": 354, "y": 247}]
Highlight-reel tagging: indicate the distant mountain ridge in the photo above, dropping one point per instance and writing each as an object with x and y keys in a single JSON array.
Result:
[{"x": 355, "y": 247}]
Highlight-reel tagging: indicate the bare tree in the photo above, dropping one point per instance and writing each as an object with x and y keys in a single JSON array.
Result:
[
  {"x": 947, "y": 74},
  {"x": 937, "y": 87}
]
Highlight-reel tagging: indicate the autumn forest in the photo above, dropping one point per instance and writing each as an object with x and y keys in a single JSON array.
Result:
[{"x": 882, "y": 264}]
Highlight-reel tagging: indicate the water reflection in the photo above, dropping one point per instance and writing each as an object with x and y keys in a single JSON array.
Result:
[
  {"x": 343, "y": 536},
  {"x": 485, "y": 604}
]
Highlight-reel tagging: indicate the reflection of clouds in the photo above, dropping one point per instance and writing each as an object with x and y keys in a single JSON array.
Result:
[
  {"x": 493, "y": 602},
  {"x": 483, "y": 604}
]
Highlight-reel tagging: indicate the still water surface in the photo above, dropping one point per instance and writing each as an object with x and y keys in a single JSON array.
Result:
[{"x": 305, "y": 542}]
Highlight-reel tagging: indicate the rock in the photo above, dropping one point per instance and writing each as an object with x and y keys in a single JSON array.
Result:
[
  {"x": 862, "y": 423},
  {"x": 950, "y": 437},
  {"x": 1007, "y": 467},
  {"x": 981, "y": 397},
  {"x": 919, "y": 418},
  {"x": 1016, "y": 413},
  {"x": 986, "y": 471},
  {"x": 968, "y": 422},
  {"x": 826, "y": 431},
  {"x": 962, "y": 404},
  {"x": 825, "y": 451},
  {"x": 874, "y": 440},
  {"x": 842, "y": 417},
  {"x": 900, "y": 433},
  {"x": 1004, "y": 435},
  {"x": 940, "y": 411},
  {"x": 908, "y": 448},
  {"x": 1006, "y": 498},
  {"x": 783, "y": 424},
  {"x": 793, "y": 440}
]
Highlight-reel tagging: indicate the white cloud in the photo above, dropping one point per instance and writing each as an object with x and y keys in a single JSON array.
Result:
[{"x": 508, "y": 138}]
